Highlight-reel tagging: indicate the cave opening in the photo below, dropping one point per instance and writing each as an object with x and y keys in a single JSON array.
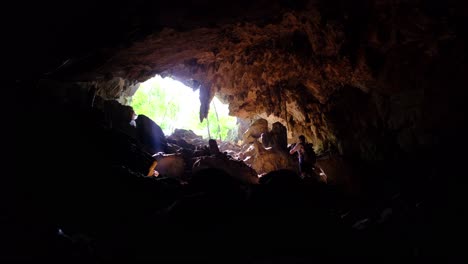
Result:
[
  {"x": 376, "y": 86},
  {"x": 173, "y": 105}
]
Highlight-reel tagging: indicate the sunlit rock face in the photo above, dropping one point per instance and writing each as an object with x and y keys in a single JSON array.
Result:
[
  {"x": 357, "y": 77},
  {"x": 264, "y": 160},
  {"x": 266, "y": 150},
  {"x": 255, "y": 131}
]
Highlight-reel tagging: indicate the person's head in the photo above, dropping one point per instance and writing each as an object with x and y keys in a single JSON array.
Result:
[
  {"x": 213, "y": 145},
  {"x": 302, "y": 139}
]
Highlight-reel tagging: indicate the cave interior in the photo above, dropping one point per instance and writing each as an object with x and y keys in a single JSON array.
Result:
[{"x": 376, "y": 85}]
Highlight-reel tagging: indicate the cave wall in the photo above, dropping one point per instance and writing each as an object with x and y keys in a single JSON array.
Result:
[{"x": 361, "y": 78}]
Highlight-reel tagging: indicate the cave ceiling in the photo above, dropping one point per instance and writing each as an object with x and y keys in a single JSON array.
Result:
[{"x": 289, "y": 61}]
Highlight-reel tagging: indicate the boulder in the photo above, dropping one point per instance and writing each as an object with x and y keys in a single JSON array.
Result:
[
  {"x": 170, "y": 165},
  {"x": 187, "y": 138},
  {"x": 150, "y": 135},
  {"x": 255, "y": 130},
  {"x": 237, "y": 169},
  {"x": 264, "y": 160},
  {"x": 276, "y": 138},
  {"x": 117, "y": 115}
]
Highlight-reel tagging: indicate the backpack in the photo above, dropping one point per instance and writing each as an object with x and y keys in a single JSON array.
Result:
[{"x": 309, "y": 153}]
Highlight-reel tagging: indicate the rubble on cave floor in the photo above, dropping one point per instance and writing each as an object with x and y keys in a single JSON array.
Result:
[
  {"x": 108, "y": 209},
  {"x": 263, "y": 150}
]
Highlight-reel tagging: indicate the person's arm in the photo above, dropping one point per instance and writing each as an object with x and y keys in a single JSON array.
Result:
[{"x": 296, "y": 147}]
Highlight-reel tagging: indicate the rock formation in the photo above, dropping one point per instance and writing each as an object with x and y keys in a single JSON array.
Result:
[
  {"x": 379, "y": 84},
  {"x": 255, "y": 131},
  {"x": 186, "y": 137},
  {"x": 151, "y": 135},
  {"x": 170, "y": 165},
  {"x": 237, "y": 169},
  {"x": 265, "y": 160},
  {"x": 361, "y": 79},
  {"x": 276, "y": 138},
  {"x": 315, "y": 67}
]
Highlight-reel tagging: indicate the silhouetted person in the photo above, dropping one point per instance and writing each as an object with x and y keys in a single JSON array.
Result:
[
  {"x": 306, "y": 156},
  {"x": 214, "y": 150}
]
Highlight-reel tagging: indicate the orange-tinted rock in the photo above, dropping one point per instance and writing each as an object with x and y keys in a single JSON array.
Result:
[
  {"x": 256, "y": 129},
  {"x": 343, "y": 75}
]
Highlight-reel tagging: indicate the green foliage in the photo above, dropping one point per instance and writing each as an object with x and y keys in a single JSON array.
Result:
[
  {"x": 153, "y": 102},
  {"x": 227, "y": 129},
  {"x": 175, "y": 107}
]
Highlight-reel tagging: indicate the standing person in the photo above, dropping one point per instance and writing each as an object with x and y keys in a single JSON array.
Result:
[
  {"x": 213, "y": 146},
  {"x": 306, "y": 156}
]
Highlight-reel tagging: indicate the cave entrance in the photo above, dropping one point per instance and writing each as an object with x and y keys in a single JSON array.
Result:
[{"x": 171, "y": 104}]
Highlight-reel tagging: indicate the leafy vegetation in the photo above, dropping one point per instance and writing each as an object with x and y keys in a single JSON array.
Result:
[{"x": 172, "y": 105}]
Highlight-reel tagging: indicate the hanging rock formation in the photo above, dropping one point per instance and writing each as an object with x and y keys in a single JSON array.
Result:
[
  {"x": 359, "y": 77},
  {"x": 377, "y": 84}
]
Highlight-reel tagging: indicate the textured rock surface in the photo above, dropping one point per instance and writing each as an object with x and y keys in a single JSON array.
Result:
[
  {"x": 255, "y": 130},
  {"x": 361, "y": 77},
  {"x": 170, "y": 165},
  {"x": 184, "y": 137},
  {"x": 265, "y": 160},
  {"x": 276, "y": 138},
  {"x": 386, "y": 80},
  {"x": 265, "y": 150},
  {"x": 236, "y": 169}
]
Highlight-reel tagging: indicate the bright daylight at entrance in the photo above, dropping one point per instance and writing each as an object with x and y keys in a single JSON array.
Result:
[{"x": 173, "y": 105}]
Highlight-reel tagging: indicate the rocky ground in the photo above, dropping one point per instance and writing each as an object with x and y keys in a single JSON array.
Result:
[
  {"x": 376, "y": 85},
  {"x": 95, "y": 203}
]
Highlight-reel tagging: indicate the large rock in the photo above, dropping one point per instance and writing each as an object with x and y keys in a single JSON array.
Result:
[
  {"x": 276, "y": 138},
  {"x": 237, "y": 169},
  {"x": 271, "y": 153},
  {"x": 150, "y": 135},
  {"x": 265, "y": 160},
  {"x": 247, "y": 152},
  {"x": 117, "y": 115},
  {"x": 230, "y": 148},
  {"x": 186, "y": 138},
  {"x": 256, "y": 129},
  {"x": 170, "y": 165}
]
